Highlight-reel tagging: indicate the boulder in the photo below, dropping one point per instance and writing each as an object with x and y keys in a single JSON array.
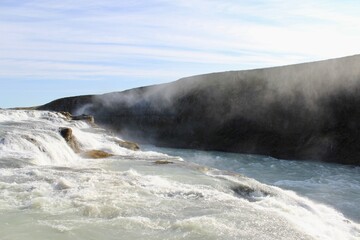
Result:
[
  {"x": 95, "y": 154},
  {"x": 129, "y": 145},
  {"x": 249, "y": 193},
  {"x": 70, "y": 139},
  {"x": 67, "y": 134}
]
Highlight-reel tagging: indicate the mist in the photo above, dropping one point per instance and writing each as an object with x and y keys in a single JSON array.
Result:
[{"x": 302, "y": 111}]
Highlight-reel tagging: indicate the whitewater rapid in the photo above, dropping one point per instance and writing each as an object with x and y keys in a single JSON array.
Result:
[{"x": 47, "y": 191}]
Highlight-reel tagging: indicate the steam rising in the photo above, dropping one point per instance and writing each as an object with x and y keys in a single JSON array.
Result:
[{"x": 303, "y": 111}]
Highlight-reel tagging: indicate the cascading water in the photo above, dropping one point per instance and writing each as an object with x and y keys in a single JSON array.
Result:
[{"x": 47, "y": 191}]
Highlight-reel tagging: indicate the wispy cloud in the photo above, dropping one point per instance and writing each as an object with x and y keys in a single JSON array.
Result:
[{"x": 164, "y": 40}]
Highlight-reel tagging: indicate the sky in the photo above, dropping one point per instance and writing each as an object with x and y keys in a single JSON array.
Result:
[{"x": 53, "y": 49}]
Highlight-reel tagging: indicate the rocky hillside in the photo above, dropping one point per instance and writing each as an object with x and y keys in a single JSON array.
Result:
[{"x": 304, "y": 111}]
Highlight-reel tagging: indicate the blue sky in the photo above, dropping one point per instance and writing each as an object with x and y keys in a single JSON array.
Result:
[{"x": 51, "y": 49}]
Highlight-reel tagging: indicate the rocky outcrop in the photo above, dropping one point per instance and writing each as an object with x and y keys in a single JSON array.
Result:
[
  {"x": 84, "y": 117},
  {"x": 70, "y": 139},
  {"x": 96, "y": 154},
  {"x": 67, "y": 115},
  {"x": 249, "y": 193},
  {"x": 305, "y": 111},
  {"x": 69, "y": 104},
  {"x": 67, "y": 134},
  {"x": 128, "y": 145}
]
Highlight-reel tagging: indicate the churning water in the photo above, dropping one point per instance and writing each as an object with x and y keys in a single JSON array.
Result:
[
  {"x": 333, "y": 184},
  {"x": 47, "y": 191}
]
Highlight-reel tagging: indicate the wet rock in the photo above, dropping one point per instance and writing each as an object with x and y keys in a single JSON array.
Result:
[
  {"x": 162, "y": 162},
  {"x": 248, "y": 193},
  {"x": 129, "y": 145},
  {"x": 67, "y": 134},
  {"x": 67, "y": 115},
  {"x": 95, "y": 154},
  {"x": 84, "y": 117},
  {"x": 36, "y": 143}
]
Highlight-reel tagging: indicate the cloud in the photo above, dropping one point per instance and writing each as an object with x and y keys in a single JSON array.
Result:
[{"x": 164, "y": 40}]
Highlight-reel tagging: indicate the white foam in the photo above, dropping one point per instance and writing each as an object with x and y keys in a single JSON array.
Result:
[{"x": 69, "y": 194}]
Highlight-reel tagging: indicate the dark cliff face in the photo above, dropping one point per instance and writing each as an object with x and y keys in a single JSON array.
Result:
[
  {"x": 69, "y": 104},
  {"x": 304, "y": 111}
]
